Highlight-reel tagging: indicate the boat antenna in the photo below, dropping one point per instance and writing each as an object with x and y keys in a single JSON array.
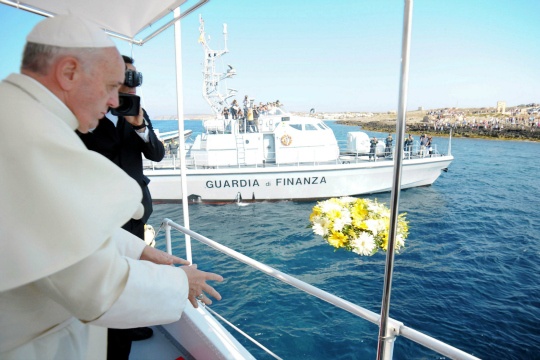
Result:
[{"x": 211, "y": 77}]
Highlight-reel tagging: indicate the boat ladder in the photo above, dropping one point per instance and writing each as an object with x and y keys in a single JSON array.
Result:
[{"x": 240, "y": 150}]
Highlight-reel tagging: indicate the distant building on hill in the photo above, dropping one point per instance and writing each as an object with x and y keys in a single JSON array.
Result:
[{"x": 501, "y": 107}]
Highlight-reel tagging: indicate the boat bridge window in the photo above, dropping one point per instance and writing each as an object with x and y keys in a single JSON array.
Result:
[
  {"x": 310, "y": 127},
  {"x": 296, "y": 126},
  {"x": 322, "y": 125}
]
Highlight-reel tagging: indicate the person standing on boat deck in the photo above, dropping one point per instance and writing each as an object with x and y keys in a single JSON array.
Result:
[
  {"x": 124, "y": 140},
  {"x": 256, "y": 118},
  {"x": 423, "y": 142},
  {"x": 234, "y": 109},
  {"x": 246, "y": 104},
  {"x": 173, "y": 148},
  {"x": 372, "y": 148},
  {"x": 388, "y": 145},
  {"x": 251, "y": 123},
  {"x": 241, "y": 120},
  {"x": 429, "y": 145},
  {"x": 70, "y": 264},
  {"x": 408, "y": 145}
]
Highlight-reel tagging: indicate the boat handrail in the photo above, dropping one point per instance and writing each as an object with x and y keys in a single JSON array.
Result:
[{"x": 397, "y": 327}]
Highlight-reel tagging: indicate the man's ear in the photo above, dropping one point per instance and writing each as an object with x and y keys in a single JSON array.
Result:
[{"x": 67, "y": 72}]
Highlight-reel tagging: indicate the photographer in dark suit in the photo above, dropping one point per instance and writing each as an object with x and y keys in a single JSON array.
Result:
[{"x": 123, "y": 139}]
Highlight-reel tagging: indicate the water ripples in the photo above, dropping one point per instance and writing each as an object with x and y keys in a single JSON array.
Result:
[{"x": 468, "y": 275}]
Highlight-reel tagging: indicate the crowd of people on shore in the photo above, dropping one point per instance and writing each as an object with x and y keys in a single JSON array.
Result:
[{"x": 458, "y": 120}]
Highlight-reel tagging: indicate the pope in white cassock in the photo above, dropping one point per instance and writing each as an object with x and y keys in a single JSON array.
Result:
[{"x": 65, "y": 262}]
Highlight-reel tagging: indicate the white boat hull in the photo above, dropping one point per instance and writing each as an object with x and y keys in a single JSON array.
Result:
[{"x": 304, "y": 182}]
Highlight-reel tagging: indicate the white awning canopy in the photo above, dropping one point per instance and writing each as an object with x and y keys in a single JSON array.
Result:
[{"x": 121, "y": 18}]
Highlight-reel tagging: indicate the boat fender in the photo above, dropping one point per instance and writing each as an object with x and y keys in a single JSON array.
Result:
[{"x": 286, "y": 140}]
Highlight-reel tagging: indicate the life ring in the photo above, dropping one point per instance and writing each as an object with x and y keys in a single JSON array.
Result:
[{"x": 286, "y": 140}]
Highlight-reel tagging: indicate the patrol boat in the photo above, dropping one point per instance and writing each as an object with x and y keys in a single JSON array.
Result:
[{"x": 279, "y": 155}]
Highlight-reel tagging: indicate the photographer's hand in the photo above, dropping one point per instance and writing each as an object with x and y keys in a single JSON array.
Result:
[{"x": 136, "y": 120}]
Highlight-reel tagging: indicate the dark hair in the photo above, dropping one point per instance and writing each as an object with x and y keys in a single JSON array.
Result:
[{"x": 128, "y": 60}]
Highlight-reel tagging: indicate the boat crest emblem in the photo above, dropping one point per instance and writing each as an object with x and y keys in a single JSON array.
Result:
[{"x": 286, "y": 139}]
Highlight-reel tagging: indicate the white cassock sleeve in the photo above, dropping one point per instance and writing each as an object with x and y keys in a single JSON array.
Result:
[
  {"x": 117, "y": 291},
  {"x": 128, "y": 244}
]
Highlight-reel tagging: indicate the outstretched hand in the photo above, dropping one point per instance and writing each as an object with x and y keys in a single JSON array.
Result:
[
  {"x": 160, "y": 257},
  {"x": 198, "y": 288}
]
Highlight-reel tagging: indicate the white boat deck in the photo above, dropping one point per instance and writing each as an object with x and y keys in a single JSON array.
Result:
[
  {"x": 173, "y": 163},
  {"x": 159, "y": 346}
]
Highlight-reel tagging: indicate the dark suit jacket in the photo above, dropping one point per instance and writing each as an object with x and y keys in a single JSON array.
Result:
[{"x": 124, "y": 147}]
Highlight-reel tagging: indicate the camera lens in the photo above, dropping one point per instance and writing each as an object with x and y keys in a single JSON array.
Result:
[{"x": 133, "y": 78}]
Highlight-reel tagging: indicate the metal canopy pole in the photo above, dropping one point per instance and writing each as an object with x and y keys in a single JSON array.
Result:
[
  {"x": 181, "y": 140},
  {"x": 388, "y": 333}
]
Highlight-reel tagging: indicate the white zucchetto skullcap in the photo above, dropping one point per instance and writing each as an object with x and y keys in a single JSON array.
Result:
[{"x": 69, "y": 31}]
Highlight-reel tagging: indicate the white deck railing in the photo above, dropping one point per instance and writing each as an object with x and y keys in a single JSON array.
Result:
[{"x": 397, "y": 327}]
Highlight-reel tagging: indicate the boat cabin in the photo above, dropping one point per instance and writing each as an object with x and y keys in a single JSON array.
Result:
[{"x": 274, "y": 138}]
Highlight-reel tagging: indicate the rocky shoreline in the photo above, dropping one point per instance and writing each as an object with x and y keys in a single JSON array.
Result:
[
  {"x": 418, "y": 122},
  {"x": 510, "y": 133}
]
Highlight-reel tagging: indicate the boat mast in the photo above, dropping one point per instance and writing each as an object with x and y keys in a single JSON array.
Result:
[
  {"x": 388, "y": 332},
  {"x": 212, "y": 78}
]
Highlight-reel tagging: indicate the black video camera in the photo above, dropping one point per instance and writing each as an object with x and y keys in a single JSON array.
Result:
[
  {"x": 132, "y": 78},
  {"x": 129, "y": 105}
]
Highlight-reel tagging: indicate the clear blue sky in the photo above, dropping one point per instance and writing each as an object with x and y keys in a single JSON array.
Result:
[{"x": 339, "y": 55}]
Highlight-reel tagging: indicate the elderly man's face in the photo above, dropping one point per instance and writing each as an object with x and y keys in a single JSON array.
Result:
[{"x": 98, "y": 89}]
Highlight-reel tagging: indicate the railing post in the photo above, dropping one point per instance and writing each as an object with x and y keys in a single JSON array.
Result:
[
  {"x": 386, "y": 344},
  {"x": 168, "y": 236}
]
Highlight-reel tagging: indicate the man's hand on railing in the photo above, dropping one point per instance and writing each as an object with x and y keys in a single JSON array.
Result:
[
  {"x": 160, "y": 257},
  {"x": 198, "y": 288}
]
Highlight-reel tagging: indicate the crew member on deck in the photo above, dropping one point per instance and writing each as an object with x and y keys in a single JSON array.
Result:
[
  {"x": 373, "y": 148},
  {"x": 388, "y": 145}
]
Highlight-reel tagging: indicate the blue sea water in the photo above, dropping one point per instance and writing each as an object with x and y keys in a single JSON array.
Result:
[{"x": 469, "y": 275}]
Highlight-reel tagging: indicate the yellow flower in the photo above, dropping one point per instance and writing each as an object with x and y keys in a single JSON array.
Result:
[
  {"x": 333, "y": 214},
  {"x": 337, "y": 239},
  {"x": 384, "y": 244},
  {"x": 360, "y": 224},
  {"x": 316, "y": 212},
  {"x": 359, "y": 211}
]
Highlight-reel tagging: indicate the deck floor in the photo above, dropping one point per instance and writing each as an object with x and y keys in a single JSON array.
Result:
[{"x": 159, "y": 346}]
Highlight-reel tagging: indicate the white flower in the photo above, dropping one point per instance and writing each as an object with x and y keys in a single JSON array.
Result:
[
  {"x": 375, "y": 226},
  {"x": 318, "y": 229},
  {"x": 347, "y": 199},
  {"x": 338, "y": 224},
  {"x": 320, "y": 226},
  {"x": 364, "y": 244},
  {"x": 327, "y": 206},
  {"x": 400, "y": 241}
]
